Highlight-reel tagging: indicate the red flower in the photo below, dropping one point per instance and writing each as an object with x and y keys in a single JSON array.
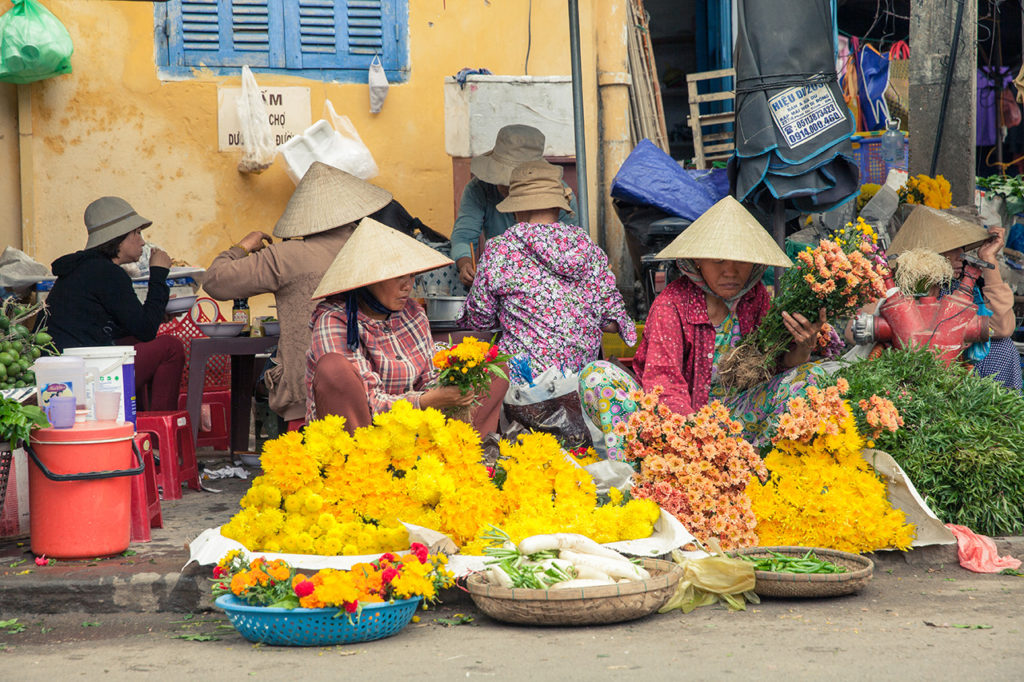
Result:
[
  {"x": 219, "y": 572},
  {"x": 491, "y": 354},
  {"x": 304, "y": 588},
  {"x": 350, "y": 607},
  {"x": 386, "y": 557},
  {"x": 420, "y": 551},
  {"x": 43, "y": 561},
  {"x": 388, "y": 574}
]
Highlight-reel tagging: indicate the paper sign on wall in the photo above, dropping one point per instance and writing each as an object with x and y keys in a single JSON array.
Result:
[{"x": 287, "y": 108}]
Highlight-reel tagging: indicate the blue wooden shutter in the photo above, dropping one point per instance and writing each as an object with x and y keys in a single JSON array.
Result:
[{"x": 231, "y": 33}]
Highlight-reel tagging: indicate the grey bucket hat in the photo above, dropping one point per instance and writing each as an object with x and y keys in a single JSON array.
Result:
[
  {"x": 109, "y": 218},
  {"x": 514, "y": 145}
]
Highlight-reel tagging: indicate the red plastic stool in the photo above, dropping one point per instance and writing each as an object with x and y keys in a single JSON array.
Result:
[
  {"x": 145, "y": 505},
  {"x": 219, "y": 437},
  {"x": 173, "y": 433}
]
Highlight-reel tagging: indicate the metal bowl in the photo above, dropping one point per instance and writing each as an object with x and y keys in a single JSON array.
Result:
[
  {"x": 222, "y": 329},
  {"x": 444, "y": 308},
  {"x": 272, "y": 328}
]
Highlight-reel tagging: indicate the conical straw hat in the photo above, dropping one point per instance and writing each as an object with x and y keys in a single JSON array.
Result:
[
  {"x": 727, "y": 231},
  {"x": 374, "y": 253},
  {"x": 327, "y": 198},
  {"x": 930, "y": 228}
]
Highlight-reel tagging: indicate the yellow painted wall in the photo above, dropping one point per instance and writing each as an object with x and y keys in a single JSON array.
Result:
[{"x": 113, "y": 127}]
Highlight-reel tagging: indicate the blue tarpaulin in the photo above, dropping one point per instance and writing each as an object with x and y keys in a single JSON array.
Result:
[{"x": 651, "y": 177}]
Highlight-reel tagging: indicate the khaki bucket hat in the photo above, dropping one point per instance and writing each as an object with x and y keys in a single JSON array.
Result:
[
  {"x": 327, "y": 198},
  {"x": 727, "y": 231},
  {"x": 514, "y": 145},
  {"x": 109, "y": 218},
  {"x": 535, "y": 185},
  {"x": 374, "y": 253},
  {"x": 930, "y": 228}
]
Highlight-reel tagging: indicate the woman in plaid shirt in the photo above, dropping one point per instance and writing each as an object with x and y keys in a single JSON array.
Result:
[{"x": 371, "y": 344}]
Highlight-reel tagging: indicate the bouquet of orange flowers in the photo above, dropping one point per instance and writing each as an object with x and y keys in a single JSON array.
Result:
[
  {"x": 470, "y": 365},
  {"x": 276, "y": 584},
  {"x": 840, "y": 275},
  {"x": 696, "y": 467}
]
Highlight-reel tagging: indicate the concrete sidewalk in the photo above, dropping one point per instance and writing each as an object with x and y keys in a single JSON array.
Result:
[
  {"x": 154, "y": 578},
  {"x": 151, "y": 578}
]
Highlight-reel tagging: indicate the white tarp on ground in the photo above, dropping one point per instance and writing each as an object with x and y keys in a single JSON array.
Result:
[
  {"x": 210, "y": 547},
  {"x": 903, "y": 495}
]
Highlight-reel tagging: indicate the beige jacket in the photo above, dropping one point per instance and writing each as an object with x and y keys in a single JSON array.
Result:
[{"x": 291, "y": 270}]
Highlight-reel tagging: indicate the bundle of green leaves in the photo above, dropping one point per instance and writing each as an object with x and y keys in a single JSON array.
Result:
[{"x": 962, "y": 443}]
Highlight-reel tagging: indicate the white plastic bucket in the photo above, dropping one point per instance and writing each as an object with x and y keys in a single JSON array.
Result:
[
  {"x": 109, "y": 368},
  {"x": 60, "y": 376}
]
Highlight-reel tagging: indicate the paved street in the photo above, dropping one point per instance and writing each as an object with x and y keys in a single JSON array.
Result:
[{"x": 915, "y": 623}]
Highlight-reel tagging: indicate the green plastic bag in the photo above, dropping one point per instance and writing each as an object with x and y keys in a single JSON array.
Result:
[{"x": 33, "y": 44}]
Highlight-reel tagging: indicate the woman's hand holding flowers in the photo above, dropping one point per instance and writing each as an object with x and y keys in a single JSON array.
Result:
[{"x": 805, "y": 336}]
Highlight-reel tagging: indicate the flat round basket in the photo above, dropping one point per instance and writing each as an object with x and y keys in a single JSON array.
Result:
[
  {"x": 578, "y": 606},
  {"x": 316, "y": 627},
  {"x": 772, "y": 584}
]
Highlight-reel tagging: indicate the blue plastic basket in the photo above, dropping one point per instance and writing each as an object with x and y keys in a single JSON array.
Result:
[{"x": 316, "y": 627}]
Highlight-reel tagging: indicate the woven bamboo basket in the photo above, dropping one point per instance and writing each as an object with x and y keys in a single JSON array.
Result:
[
  {"x": 579, "y": 606},
  {"x": 772, "y": 584}
]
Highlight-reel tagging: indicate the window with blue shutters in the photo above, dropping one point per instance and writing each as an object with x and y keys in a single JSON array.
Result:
[{"x": 321, "y": 39}]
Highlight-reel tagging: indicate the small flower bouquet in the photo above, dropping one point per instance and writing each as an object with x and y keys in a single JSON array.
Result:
[
  {"x": 470, "y": 365},
  {"x": 696, "y": 467},
  {"x": 276, "y": 584},
  {"x": 820, "y": 491},
  {"x": 840, "y": 275},
  {"x": 921, "y": 189}
]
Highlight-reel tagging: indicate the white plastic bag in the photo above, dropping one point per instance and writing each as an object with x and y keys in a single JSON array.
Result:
[
  {"x": 257, "y": 137},
  {"x": 347, "y": 150},
  {"x": 379, "y": 85}
]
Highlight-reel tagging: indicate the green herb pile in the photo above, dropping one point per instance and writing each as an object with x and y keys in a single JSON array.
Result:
[
  {"x": 1010, "y": 187},
  {"x": 962, "y": 443}
]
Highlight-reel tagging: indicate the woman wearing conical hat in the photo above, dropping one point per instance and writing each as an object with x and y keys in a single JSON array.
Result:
[
  {"x": 697, "y": 319},
  {"x": 952, "y": 236},
  {"x": 371, "y": 344}
]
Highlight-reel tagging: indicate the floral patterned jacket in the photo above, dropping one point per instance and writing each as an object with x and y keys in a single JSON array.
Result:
[
  {"x": 550, "y": 289},
  {"x": 678, "y": 344}
]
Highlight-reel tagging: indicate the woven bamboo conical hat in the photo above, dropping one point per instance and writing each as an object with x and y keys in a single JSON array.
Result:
[
  {"x": 727, "y": 231},
  {"x": 327, "y": 198},
  {"x": 374, "y": 253},
  {"x": 930, "y": 228}
]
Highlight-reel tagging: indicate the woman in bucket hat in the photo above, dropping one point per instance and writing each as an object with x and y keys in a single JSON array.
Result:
[
  {"x": 696, "y": 320},
  {"x": 93, "y": 302},
  {"x": 317, "y": 222},
  {"x": 492, "y": 172},
  {"x": 547, "y": 284},
  {"x": 952, "y": 236},
  {"x": 371, "y": 344}
]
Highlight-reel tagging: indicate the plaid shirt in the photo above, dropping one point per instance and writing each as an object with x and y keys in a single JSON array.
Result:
[{"x": 394, "y": 358}]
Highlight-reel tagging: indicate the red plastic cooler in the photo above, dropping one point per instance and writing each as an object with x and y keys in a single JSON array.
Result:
[{"x": 79, "y": 490}]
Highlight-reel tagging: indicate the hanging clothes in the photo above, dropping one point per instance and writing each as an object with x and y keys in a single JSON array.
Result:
[{"x": 991, "y": 82}]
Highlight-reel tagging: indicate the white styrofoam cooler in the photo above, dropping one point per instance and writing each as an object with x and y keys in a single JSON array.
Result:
[{"x": 473, "y": 114}]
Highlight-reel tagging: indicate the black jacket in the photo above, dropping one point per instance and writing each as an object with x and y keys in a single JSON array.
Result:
[{"x": 93, "y": 302}]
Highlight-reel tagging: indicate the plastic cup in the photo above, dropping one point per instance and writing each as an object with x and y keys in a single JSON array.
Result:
[
  {"x": 107, "y": 405},
  {"x": 60, "y": 411}
]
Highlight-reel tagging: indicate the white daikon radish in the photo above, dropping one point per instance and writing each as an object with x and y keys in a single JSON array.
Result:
[
  {"x": 497, "y": 576},
  {"x": 614, "y": 568},
  {"x": 570, "y": 541},
  {"x": 580, "y": 582},
  {"x": 589, "y": 573}
]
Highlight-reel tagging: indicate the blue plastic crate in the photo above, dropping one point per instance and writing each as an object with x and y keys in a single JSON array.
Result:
[{"x": 867, "y": 149}]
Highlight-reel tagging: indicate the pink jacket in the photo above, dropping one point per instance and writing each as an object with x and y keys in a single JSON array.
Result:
[{"x": 678, "y": 343}]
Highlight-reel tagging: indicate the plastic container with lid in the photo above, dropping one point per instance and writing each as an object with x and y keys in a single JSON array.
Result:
[{"x": 60, "y": 375}]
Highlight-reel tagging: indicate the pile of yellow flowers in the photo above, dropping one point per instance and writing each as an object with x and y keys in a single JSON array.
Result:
[
  {"x": 331, "y": 493},
  {"x": 921, "y": 189},
  {"x": 820, "y": 491}
]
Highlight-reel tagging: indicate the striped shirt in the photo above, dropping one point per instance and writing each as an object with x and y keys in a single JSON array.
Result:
[{"x": 394, "y": 357}]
